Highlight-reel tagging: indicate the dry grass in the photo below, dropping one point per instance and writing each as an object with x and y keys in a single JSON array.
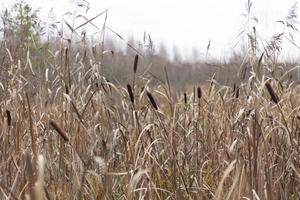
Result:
[
  {"x": 69, "y": 133},
  {"x": 105, "y": 141}
]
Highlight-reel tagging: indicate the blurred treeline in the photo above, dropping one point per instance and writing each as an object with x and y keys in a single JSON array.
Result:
[{"x": 31, "y": 46}]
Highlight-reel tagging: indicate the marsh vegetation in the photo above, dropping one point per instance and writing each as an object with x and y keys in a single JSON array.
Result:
[{"x": 82, "y": 120}]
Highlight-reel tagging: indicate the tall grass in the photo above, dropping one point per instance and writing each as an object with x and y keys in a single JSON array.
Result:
[{"x": 69, "y": 133}]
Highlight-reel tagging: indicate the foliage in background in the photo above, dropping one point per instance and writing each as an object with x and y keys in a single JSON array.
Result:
[{"x": 22, "y": 32}]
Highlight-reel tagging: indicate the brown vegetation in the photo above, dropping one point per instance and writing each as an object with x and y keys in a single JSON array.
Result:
[{"x": 67, "y": 132}]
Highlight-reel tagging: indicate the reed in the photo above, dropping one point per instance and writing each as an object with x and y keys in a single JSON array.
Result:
[{"x": 77, "y": 122}]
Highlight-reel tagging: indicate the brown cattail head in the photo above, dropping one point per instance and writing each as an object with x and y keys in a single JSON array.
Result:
[
  {"x": 273, "y": 95},
  {"x": 8, "y": 117},
  {"x": 67, "y": 89},
  {"x": 237, "y": 93},
  {"x": 66, "y": 52},
  {"x": 152, "y": 101},
  {"x": 59, "y": 130},
  {"x": 185, "y": 98},
  {"x": 199, "y": 92},
  {"x": 130, "y": 93},
  {"x": 135, "y": 64}
]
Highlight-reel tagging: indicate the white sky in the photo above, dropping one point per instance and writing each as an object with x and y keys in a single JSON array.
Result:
[{"x": 187, "y": 24}]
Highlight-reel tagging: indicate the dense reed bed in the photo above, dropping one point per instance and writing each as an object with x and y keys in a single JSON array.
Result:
[
  {"x": 67, "y": 132},
  {"x": 76, "y": 135}
]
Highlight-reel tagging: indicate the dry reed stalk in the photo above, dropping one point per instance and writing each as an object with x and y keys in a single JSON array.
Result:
[
  {"x": 259, "y": 64},
  {"x": 226, "y": 173},
  {"x": 39, "y": 184},
  {"x": 59, "y": 130},
  {"x": 31, "y": 178},
  {"x": 211, "y": 84},
  {"x": 77, "y": 112},
  {"x": 87, "y": 103},
  {"x": 33, "y": 145},
  {"x": 169, "y": 93},
  {"x": 137, "y": 176}
]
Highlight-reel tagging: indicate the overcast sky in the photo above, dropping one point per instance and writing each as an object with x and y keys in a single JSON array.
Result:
[{"x": 187, "y": 24}]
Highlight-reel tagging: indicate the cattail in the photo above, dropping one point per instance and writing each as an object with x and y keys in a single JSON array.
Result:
[
  {"x": 237, "y": 93},
  {"x": 135, "y": 64},
  {"x": 234, "y": 88},
  {"x": 129, "y": 89},
  {"x": 59, "y": 130},
  {"x": 8, "y": 117},
  {"x": 199, "y": 92},
  {"x": 67, "y": 89},
  {"x": 151, "y": 99},
  {"x": 273, "y": 95},
  {"x": 66, "y": 53},
  {"x": 185, "y": 98}
]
